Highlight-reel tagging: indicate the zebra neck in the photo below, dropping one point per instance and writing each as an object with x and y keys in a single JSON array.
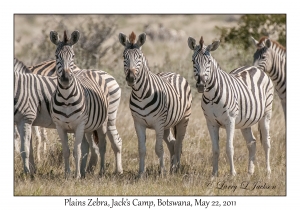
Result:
[
  {"x": 212, "y": 85},
  {"x": 68, "y": 92},
  {"x": 142, "y": 88},
  {"x": 278, "y": 63}
]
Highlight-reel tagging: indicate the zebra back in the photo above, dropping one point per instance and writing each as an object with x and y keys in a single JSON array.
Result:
[
  {"x": 20, "y": 67},
  {"x": 47, "y": 68}
]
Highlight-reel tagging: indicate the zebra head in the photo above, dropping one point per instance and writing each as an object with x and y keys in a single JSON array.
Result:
[
  {"x": 201, "y": 61},
  {"x": 133, "y": 56},
  {"x": 263, "y": 55},
  {"x": 64, "y": 56}
]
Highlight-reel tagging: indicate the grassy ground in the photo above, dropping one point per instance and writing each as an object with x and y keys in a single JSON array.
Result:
[{"x": 194, "y": 175}]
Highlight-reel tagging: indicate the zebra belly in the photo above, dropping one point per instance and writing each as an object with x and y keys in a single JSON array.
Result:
[
  {"x": 148, "y": 121},
  {"x": 43, "y": 117},
  {"x": 152, "y": 122},
  {"x": 222, "y": 117},
  {"x": 69, "y": 123},
  {"x": 70, "y": 126},
  {"x": 18, "y": 117}
]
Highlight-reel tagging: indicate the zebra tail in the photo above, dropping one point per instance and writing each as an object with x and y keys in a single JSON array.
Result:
[
  {"x": 175, "y": 132},
  {"x": 96, "y": 139}
]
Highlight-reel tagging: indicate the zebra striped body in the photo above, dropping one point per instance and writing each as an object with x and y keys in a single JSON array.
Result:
[
  {"x": 164, "y": 98},
  {"x": 270, "y": 56},
  {"x": 236, "y": 100},
  {"x": 32, "y": 94},
  {"x": 84, "y": 101},
  {"x": 158, "y": 101},
  {"x": 41, "y": 134}
]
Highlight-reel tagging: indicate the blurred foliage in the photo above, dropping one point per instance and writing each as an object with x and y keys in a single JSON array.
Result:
[
  {"x": 237, "y": 39},
  {"x": 256, "y": 25},
  {"x": 96, "y": 47}
]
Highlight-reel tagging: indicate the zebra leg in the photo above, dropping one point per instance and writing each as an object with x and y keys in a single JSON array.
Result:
[
  {"x": 251, "y": 145},
  {"x": 229, "y": 145},
  {"x": 79, "y": 134},
  {"x": 170, "y": 141},
  {"x": 116, "y": 144},
  {"x": 84, "y": 153},
  {"x": 264, "y": 129},
  {"x": 102, "y": 146},
  {"x": 17, "y": 139},
  {"x": 31, "y": 159},
  {"x": 180, "y": 129},
  {"x": 159, "y": 150},
  {"x": 35, "y": 130},
  {"x": 283, "y": 104},
  {"x": 44, "y": 138},
  {"x": 24, "y": 129},
  {"x": 66, "y": 151},
  {"x": 94, "y": 152},
  {"x": 214, "y": 135},
  {"x": 141, "y": 134}
]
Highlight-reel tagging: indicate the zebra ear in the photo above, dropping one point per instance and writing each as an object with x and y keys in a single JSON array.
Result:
[
  {"x": 255, "y": 42},
  {"x": 268, "y": 43},
  {"x": 54, "y": 37},
  {"x": 141, "y": 40},
  {"x": 74, "y": 38},
  {"x": 191, "y": 43},
  {"x": 122, "y": 39},
  {"x": 213, "y": 46}
]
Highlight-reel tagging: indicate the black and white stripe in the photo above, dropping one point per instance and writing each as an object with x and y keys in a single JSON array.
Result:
[
  {"x": 158, "y": 101},
  {"x": 232, "y": 101},
  {"x": 84, "y": 101},
  {"x": 270, "y": 56}
]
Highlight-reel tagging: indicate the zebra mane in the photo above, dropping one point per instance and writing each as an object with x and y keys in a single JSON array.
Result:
[
  {"x": 19, "y": 66},
  {"x": 201, "y": 42},
  {"x": 65, "y": 37},
  {"x": 132, "y": 37},
  {"x": 264, "y": 38}
]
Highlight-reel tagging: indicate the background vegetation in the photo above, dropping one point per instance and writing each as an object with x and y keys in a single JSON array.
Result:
[{"x": 99, "y": 48}]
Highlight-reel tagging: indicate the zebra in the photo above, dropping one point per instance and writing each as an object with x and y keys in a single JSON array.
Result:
[
  {"x": 32, "y": 94},
  {"x": 270, "y": 56},
  {"x": 157, "y": 101},
  {"x": 236, "y": 100},
  {"x": 82, "y": 103},
  {"x": 40, "y": 133},
  {"x": 31, "y": 107}
]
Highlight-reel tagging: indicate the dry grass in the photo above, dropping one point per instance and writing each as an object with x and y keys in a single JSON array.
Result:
[{"x": 194, "y": 175}]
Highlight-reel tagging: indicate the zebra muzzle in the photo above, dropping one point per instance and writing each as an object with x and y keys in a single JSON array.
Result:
[
  {"x": 200, "y": 87},
  {"x": 65, "y": 78},
  {"x": 130, "y": 78}
]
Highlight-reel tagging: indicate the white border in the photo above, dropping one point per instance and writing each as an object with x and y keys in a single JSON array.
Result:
[{"x": 150, "y": 7}]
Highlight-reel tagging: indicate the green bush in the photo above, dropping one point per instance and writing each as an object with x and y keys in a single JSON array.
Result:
[{"x": 256, "y": 25}]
